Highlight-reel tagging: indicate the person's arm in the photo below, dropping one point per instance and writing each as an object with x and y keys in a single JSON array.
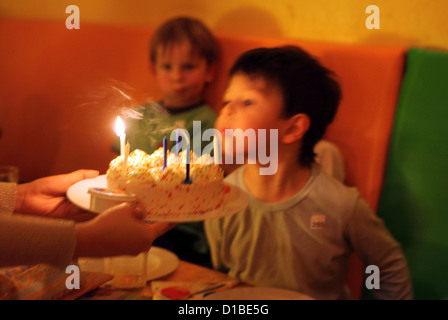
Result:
[
  {"x": 214, "y": 238},
  {"x": 26, "y": 240},
  {"x": 31, "y": 240},
  {"x": 117, "y": 231},
  {"x": 375, "y": 246},
  {"x": 7, "y": 197}
]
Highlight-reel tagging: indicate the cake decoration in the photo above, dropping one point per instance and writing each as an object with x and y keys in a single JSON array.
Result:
[{"x": 158, "y": 181}]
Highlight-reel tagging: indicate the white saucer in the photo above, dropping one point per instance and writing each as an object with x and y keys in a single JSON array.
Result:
[
  {"x": 161, "y": 262},
  {"x": 78, "y": 192}
]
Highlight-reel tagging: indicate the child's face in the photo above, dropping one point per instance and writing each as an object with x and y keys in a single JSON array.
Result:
[
  {"x": 181, "y": 75},
  {"x": 251, "y": 104}
]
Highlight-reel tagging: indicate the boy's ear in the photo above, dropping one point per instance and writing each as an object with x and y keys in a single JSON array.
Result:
[{"x": 296, "y": 128}]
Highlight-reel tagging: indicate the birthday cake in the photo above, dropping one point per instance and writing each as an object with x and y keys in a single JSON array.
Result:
[{"x": 164, "y": 191}]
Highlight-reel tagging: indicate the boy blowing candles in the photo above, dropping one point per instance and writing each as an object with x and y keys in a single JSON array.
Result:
[{"x": 301, "y": 225}]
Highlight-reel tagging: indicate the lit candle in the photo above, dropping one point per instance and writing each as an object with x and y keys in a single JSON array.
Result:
[
  {"x": 119, "y": 130},
  {"x": 125, "y": 160},
  {"x": 164, "y": 153}
]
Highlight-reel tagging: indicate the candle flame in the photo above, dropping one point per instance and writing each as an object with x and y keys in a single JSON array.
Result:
[{"x": 119, "y": 127}]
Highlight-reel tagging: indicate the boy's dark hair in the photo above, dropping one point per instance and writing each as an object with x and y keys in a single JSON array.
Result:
[
  {"x": 176, "y": 30},
  {"x": 306, "y": 87}
]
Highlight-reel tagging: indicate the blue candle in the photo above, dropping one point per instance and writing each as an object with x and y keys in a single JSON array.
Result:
[
  {"x": 177, "y": 142},
  {"x": 164, "y": 153},
  {"x": 187, "y": 178}
]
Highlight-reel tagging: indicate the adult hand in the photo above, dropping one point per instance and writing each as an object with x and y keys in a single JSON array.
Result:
[
  {"x": 117, "y": 231},
  {"x": 46, "y": 196}
]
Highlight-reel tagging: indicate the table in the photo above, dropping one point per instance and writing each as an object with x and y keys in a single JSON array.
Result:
[
  {"x": 55, "y": 281},
  {"x": 189, "y": 272},
  {"x": 185, "y": 272}
]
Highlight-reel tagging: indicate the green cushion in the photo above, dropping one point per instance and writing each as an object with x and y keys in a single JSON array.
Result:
[{"x": 414, "y": 199}]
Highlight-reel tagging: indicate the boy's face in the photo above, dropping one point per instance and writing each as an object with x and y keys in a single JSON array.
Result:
[
  {"x": 251, "y": 104},
  {"x": 181, "y": 75}
]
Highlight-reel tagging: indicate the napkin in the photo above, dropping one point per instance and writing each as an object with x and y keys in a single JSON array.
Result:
[
  {"x": 45, "y": 282},
  {"x": 165, "y": 290}
]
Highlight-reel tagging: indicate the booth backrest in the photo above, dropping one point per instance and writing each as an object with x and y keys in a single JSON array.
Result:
[
  {"x": 413, "y": 198},
  {"x": 60, "y": 95},
  {"x": 58, "y": 104}
]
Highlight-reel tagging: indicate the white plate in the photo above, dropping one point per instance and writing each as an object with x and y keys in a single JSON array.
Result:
[
  {"x": 235, "y": 201},
  {"x": 161, "y": 262},
  {"x": 257, "y": 293},
  {"x": 77, "y": 193}
]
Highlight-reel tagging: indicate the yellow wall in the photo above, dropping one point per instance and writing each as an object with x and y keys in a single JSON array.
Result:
[{"x": 404, "y": 22}]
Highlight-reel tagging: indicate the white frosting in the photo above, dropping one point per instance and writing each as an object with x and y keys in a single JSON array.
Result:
[{"x": 163, "y": 191}]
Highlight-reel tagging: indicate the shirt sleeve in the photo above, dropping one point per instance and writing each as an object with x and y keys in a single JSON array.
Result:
[
  {"x": 329, "y": 158},
  {"x": 374, "y": 244},
  {"x": 7, "y": 197},
  {"x": 29, "y": 240},
  {"x": 213, "y": 232}
]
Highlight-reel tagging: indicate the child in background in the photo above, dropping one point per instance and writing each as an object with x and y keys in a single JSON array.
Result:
[
  {"x": 183, "y": 55},
  {"x": 301, "y": 225}
]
